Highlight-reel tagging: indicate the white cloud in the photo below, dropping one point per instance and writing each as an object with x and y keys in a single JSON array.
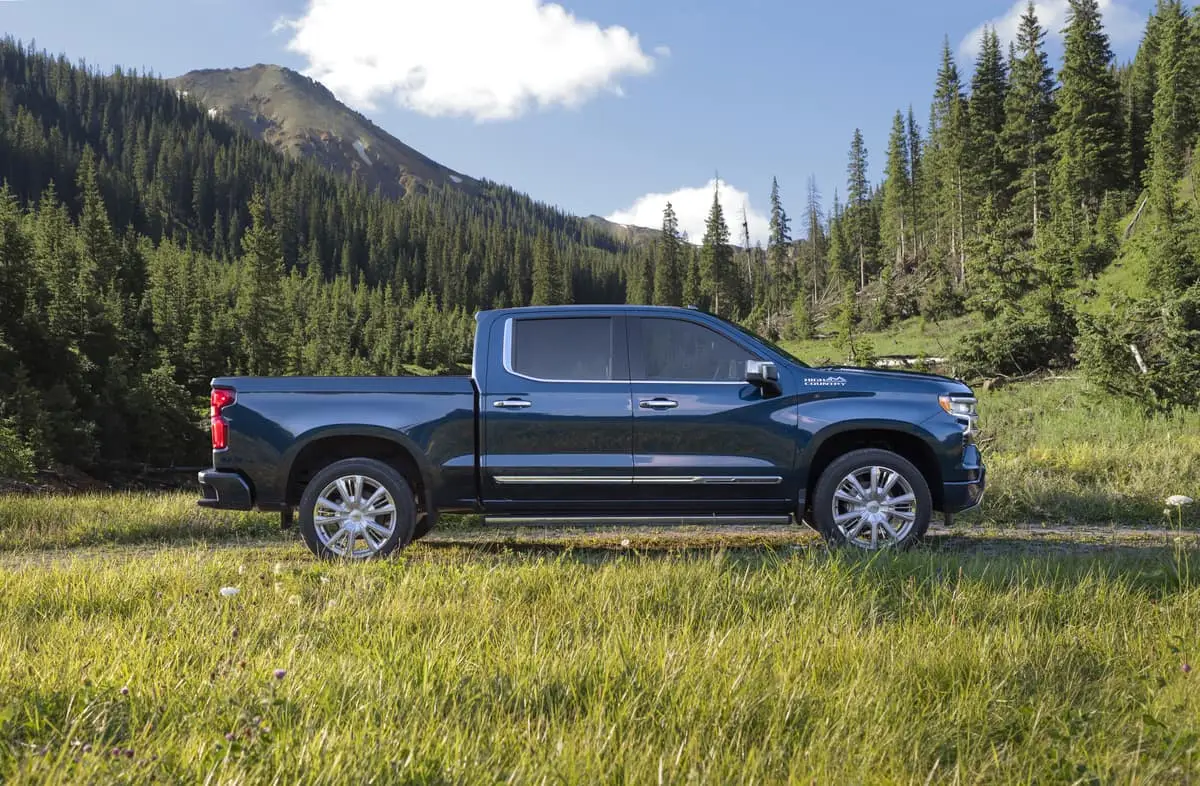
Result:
[
  {"x": 487, "y": 59},
  {"x": 691, "y": 206},
  {"x": 1123, "y": 24}
]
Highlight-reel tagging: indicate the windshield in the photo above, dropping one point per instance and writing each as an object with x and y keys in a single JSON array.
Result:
[{"x": 761, "y": 340}]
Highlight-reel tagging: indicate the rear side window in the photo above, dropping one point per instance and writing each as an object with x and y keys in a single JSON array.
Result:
[
  {"x": 575, "y": 349},
  {"x": 674, "y": 349}
]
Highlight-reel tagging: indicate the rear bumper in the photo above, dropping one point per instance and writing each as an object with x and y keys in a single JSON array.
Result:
[{"x": 224, "y": 490}]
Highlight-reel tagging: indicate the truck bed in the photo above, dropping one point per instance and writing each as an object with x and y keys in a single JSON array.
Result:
[{"x": 444, "y": 385}]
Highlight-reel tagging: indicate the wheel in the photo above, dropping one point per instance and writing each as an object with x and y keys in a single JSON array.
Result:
[
  {"x": 872, "y": 499},
  {"x": 357, "y": 508},
  {"x": 423, "y": 526}
]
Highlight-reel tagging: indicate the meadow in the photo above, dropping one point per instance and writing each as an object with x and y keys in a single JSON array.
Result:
[{"x": 143, "y": 640}]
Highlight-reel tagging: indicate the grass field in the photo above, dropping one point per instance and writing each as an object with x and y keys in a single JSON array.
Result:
[{"x": 973, "y": 661}]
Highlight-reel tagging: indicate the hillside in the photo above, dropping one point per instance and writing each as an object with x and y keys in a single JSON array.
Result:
[{"x": 301, "y": 118}]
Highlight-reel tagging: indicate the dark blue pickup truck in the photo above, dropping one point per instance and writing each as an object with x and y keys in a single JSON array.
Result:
[{"x": 599, "y": 415}]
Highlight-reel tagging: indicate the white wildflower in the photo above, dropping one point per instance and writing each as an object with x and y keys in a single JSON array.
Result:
[
  {"x": 1179, "y": 500},
  {"x": 241, "y": 570},
  {"x": 278, "y": 568},
  {"x": 229, "y": 592},
  {"x": 625, "y": 543}
]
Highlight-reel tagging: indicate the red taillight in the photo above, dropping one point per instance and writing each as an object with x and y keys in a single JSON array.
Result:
[{"x": 220, "y": 399}]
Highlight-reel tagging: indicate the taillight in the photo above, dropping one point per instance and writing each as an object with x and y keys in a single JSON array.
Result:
[{"x": 221, "y": 398}]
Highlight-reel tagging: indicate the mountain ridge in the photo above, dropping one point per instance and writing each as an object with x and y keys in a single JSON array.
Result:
[{"x": 301, "y": 117}]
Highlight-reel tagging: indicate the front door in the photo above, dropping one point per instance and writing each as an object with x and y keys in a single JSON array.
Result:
[
  {"x": 704, "y": 439},
  {"x": 557, "y": 416}
]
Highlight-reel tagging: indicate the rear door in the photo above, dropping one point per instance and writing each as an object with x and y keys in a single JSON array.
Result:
[
  {"x": 702, "y": 435},
  {"x": 557, "y": 416}
]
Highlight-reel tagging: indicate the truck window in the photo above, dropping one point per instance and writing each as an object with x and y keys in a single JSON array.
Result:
[
  {"x": 567, "y": 349},
  {"x": 674, "y": 349}
]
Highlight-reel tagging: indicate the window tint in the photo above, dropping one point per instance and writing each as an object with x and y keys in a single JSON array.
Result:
[
  {"x": 566, "y": 349},
  {"x": 673, "y": 349}
]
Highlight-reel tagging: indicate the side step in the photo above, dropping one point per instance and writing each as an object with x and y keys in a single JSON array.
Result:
[{"x": 634, "y": 521}]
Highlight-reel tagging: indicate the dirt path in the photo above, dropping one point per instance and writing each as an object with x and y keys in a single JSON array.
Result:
[{"x": 286, "y": 547}]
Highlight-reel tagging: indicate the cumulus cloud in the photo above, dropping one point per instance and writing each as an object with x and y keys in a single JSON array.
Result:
[
  {"x": 487, "y": 59},
  {"x": 1123, "y": 24},
  {"x": 691, "y": 206}
]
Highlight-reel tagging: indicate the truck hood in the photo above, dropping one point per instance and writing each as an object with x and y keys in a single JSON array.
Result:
[{"x": 883, "y": 377}]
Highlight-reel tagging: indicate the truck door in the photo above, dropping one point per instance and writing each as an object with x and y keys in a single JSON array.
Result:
[
  {"x": 557, "y": 431},
  {"x": 703, "y": 437}
]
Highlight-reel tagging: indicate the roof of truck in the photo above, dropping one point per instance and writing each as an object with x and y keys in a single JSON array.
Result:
[{"x": 595, "y": 307}]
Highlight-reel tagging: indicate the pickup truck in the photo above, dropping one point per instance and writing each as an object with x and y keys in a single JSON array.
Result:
[{"x": 594, "y": 415}]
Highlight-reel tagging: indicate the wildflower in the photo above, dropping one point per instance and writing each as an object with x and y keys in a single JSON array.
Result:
[
  {"x": 241, "y": 569},
  {"x": 1179, "y": 501},
  {"x": 129, "y": 753},
  {"x": 278, "y": 568},
  {"x": 1186, "y": 668},
  {"x": 229, "y": 737},
  {"x": 116, "y": 751},
  {"x": 280, "y": 673},
  {"x": 229, "y": 592},
  {"x": 625, "y": 543},
  {"x": 125, "y": 690},
  {"x": 87, "y": 747},
  {"x": 294, "y": 600},
  {"x": 324, "y": 579}
]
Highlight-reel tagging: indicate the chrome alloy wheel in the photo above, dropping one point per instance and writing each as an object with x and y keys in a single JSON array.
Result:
[
  {"x": 354, "y": 516},
  {"x": 874, "y": 507}
]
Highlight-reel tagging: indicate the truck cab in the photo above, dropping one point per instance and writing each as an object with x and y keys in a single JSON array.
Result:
[{"x": 603, "y": 415}]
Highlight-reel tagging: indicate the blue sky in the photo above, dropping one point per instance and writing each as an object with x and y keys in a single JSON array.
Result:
[{"x": 592, "y": 104}]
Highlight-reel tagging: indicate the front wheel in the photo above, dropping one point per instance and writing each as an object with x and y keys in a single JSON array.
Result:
[
  {"x": 357, "y": 509},
  {"x": 872, "y": 499}
]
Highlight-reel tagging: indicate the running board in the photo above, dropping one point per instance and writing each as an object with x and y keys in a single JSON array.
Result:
[{"x": 634, "y": 521}]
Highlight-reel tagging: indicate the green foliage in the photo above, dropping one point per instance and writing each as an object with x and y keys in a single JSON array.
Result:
[
  {"x": 848, "y": 337},
  {"x": 1029, "y": 111},
  {"x": 1038, "y": 334},
  {"x": 717, "y": 272},
  {"x": 668, "y": 282},
  {"x": 1146, "y": 350},
  {"x": 16, "y": 457}
]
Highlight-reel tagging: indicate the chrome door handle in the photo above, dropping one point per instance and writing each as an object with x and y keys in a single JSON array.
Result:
[
  {"x": 513, "y": 403},
  {"x": 658, "y": 403}
]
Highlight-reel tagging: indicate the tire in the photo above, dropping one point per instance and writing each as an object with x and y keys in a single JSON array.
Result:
[
  {"x": 335, "y": 521},
  {"x": 895, "y": 515}
]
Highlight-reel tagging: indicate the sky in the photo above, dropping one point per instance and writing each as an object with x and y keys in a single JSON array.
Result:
[{"x": 606, "y": 107}]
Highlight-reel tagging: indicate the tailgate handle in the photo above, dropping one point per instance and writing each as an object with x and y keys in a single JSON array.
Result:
[
  {"x": 513, "y": 403},
  {"x": 658, "y": 403}
]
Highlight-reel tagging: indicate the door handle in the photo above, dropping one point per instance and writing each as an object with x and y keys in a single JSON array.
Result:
[
  {"x": 658, "y": 403},
  {"x": 513, "y": 403}
]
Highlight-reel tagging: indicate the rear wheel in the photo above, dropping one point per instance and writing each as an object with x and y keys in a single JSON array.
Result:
[
  {"x": 357, "y": 509},
  {"x": 872, "y": 499}
]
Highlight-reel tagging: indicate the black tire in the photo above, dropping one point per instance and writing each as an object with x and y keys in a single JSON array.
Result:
[
  {"x": 380, "y": 475},
  {"x": 862, "y": 461}
]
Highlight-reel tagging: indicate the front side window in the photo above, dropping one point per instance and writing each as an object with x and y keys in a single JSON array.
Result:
[
  {"x": 674, "y": 349},
  {"x": 575, "y": 349}
]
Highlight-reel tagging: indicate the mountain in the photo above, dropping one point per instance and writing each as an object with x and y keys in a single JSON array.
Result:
[
  {"x": 626, "y": 233},
  {"x": 303, "y": 119}
]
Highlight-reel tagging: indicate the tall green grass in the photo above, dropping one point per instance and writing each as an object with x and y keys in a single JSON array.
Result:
[{"x": 453, "y": 665}]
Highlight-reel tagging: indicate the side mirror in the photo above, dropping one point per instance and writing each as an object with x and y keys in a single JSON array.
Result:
[{"x": 764, "y": 376}]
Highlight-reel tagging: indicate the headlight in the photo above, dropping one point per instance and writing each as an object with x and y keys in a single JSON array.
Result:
[{"x": 962, "y": 408}]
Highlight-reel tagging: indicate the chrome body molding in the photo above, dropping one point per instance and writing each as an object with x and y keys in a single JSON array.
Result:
[{"x": 671, "y": 480}]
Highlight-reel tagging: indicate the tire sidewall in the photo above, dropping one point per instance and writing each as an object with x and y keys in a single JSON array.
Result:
[
  {"x": 827, "y": 484},
  {"x": 377, "y": 471}
]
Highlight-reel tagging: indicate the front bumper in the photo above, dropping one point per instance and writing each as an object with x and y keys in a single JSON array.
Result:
[
  {"x": 968, "y": 494},
  {"x": 224, "y": 490}
]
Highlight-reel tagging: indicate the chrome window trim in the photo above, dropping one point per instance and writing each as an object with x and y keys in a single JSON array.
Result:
[
  {"x": 672, "y": 480},
  {"x": 506, "y": 361}
]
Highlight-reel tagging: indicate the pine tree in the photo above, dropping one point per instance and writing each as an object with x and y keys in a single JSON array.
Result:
[
  {"x": 716, "y": 258},
  {"x": 641, "y": 280},
  {"x": 779, "y": 243},
  {"x": 1029, "y": 111},
  {"x": 989, "y": 88},
  {"x": 257, "y": 306},
  {"x": 946, "y": 163},
  {"x": 547, "y": 277},
  {"x": 862, "y": 224},
  {"x": 1089, "y": 137},
  {"x": 896, "y": 223},
  {"x": 917, "y": 181},
  {"x": 815, "y": 247},
  {"x": 1173, "y": 265},
  {"x": 668, "y": 287}
]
